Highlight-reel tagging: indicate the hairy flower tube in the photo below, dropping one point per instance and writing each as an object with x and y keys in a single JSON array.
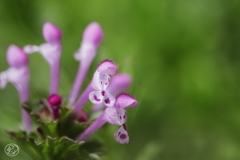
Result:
[
  {"x": 62, "y": 123},
  {"x": 92, "y": 37},
  {"x": 51, "y": 51},
  {"x": 96, "y": 90},
  {"x": 18, "y": 75}
]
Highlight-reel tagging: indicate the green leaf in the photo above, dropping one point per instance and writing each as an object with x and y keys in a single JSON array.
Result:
[
  {"x": 62, "y": 148},
  {"x": 54, "y": 139},
  {"x": 66, "y": 125}
]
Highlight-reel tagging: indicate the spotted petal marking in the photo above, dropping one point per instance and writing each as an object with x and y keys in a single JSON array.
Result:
[
  {"x": 109, "y": 100},
  {"x": 121, "y": 135},
  {"x": 104, "y": 80},
  {"x": 122, "y": 115},
  {"x": 96, "y": 97}
]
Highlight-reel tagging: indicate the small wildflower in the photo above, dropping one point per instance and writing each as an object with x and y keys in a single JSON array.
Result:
[
  {"x": 69, "y": 123},
  {"x": 18, "y": 75},
  {"x": 119, "y": 83},
  {"x": 92, "y": 37},
  {"x": 104, "y": 69},
  {"x": 51, "y": 51},
  {"x": 115, "y": 115},
  {"x": 101, "y": 81}
]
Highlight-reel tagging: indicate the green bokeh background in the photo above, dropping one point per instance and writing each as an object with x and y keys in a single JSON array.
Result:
[{"x": 184, "y": 58}]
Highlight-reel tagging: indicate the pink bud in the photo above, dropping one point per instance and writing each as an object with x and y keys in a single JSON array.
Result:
[
  {"x": 83, "y": 116},
  {"x": 51, "y": 33},
  {"x": 55, "y": 100},
  {"x": 93, "y": 34},
  {"x": 16, "y": 57}
]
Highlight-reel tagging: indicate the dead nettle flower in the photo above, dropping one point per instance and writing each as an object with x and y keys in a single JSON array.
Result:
[
  {"x": 119, "y": 83},
  {"x": 92, "y": 37},
  {"x": 51, "y": 51},
  {"x": 116, "y": 115},
  {"x": 96, "y": 90},
  {"x": 18, "y": 75},
  {"x": 55, "y": 102}
]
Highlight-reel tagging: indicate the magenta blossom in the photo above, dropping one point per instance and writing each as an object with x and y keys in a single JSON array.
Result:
[
  {"x": 115, "y": 115},
  {"x": 101, "y": 81},
  {"x": 92, "y": 37},
  {"x": 119, "y": 83},
  {"x": 51, "y": 51},
  {"x": 18, "y": 75},
  {"x": 105, "y": 68}
]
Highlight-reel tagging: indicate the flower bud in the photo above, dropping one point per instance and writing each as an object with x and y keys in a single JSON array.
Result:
[{"x": 55, "y": 100}]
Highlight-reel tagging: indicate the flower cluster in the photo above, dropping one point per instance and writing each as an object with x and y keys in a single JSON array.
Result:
[{"x": 104, "y": 90}]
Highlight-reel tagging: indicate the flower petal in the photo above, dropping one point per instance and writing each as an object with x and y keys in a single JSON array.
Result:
[
  {"x": 108, "y": 67},
  {"x": 112, "y": 116},
  {"x": 30, "y": 49},
  {"x": 3, "y": 79},
  {"x": 121, "y": 135},
  {"x": 51, "y": 33},
  {"x": 109, "y": 100},
  {"x": 93, "y": 34},
  {"x": 16, "y": 57},
  {"x": 104, "y": 80},
  {"x": 124, "y": 100},
  {"x": 122, "y": 115},
  {"x": 96, "y": 81},
  {"x": 86, "y": 52},
  {"x": 18, "y": 76},
  {"x": 50, "y": 52},
  {"x": 115, "y": 116},
  {"x": 95, "y": 97}
]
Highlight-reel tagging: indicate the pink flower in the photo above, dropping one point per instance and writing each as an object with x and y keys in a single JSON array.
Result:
[
  {"x": 92, "y": 37},
  {"x": 51, "y": 51},
  {"x": 18, "y": 75},
  {"x": 115, "y": 115}
]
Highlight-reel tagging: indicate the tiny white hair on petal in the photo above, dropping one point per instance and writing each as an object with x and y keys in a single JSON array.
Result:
[{"x": 109, "y": 100}]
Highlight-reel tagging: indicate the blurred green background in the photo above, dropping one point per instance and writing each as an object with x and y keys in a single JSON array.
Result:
[{"x": 184, "y": 58}]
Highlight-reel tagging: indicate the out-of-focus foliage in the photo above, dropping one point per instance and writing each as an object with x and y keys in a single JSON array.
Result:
[{"x": 183, "y": 55}]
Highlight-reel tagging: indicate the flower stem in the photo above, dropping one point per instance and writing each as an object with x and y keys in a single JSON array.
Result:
[
  {"x": 99, "y": 122},
  {"x": 55, "y": 67},
  {"x": 83, "y": 99}
]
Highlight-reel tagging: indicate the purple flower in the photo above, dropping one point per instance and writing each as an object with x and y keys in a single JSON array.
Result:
[
  {"x": 92, "y": 37},
  {"x": 18, "y": 75},
  {"x": 102, "y": 74},
  {"x": 51, "y": 51},
  {"x": 119, "y": 83},
  {"x": 115, "y": 115},
  {"x": 101, "y": 90}
]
